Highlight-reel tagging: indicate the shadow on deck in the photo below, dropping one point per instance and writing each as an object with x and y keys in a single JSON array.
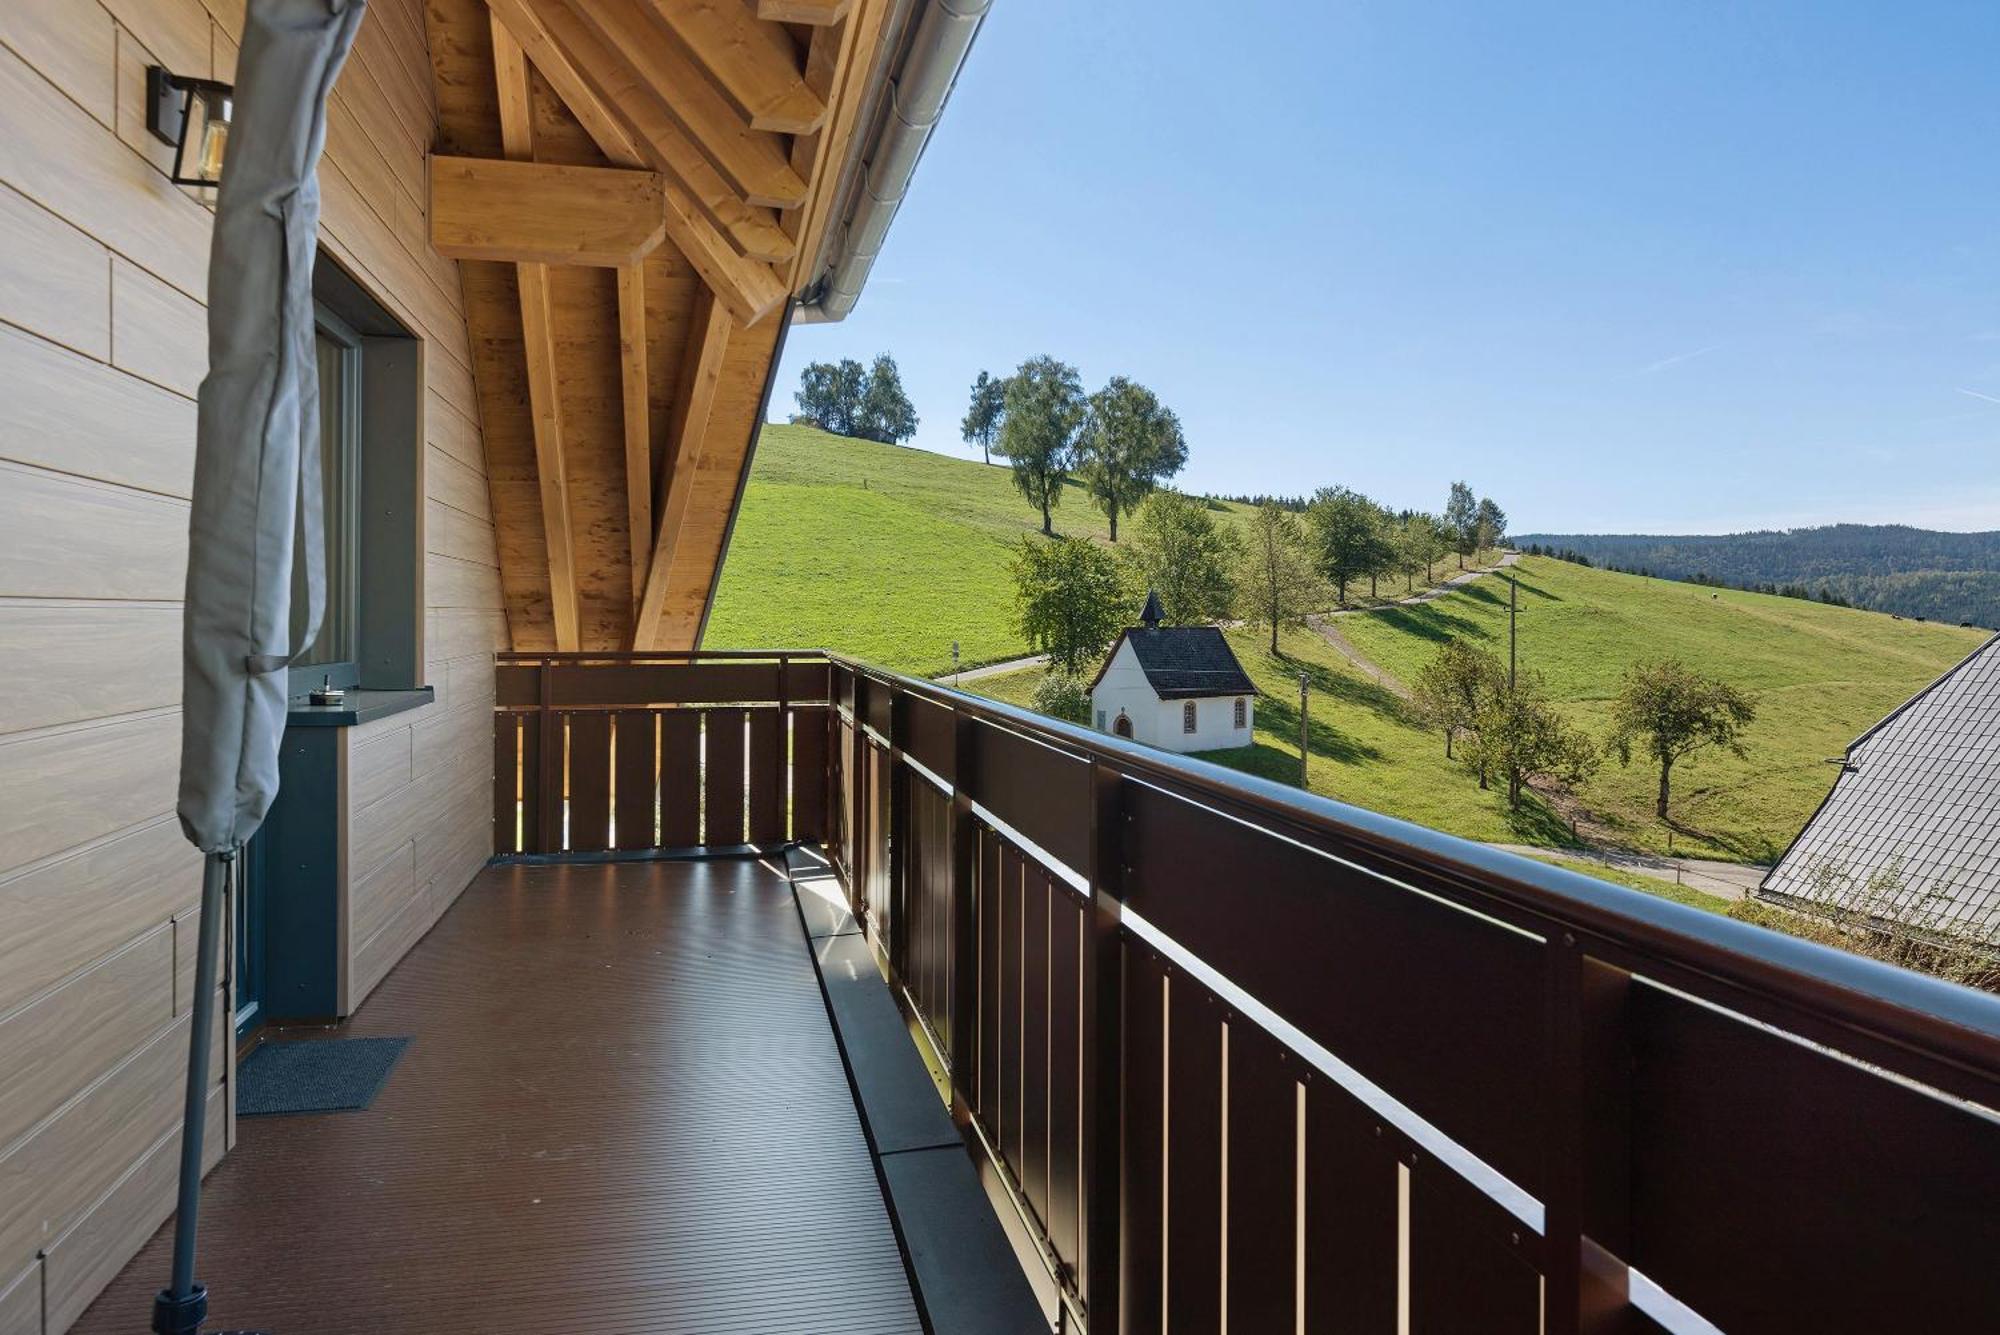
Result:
[{"x": 623, "y": 1109}]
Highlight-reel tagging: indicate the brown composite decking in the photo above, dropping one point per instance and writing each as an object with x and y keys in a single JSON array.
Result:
[{"x": 623, "y": 1110}]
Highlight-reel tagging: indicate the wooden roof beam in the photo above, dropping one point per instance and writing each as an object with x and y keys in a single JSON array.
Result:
[
  {"x": 752, "y": 61},
  {"x": 701, "y": 377},
  {"x": 510, "y": 72},
  {"x": 540, "y": 213},
  {"x": 818, "y": 13},
  {"x": 745, "y": 284},
  {"x": 753, "y": 161},
  {"x": 638, "y": 422}
]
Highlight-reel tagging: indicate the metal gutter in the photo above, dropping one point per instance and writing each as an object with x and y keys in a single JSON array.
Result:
[{"x": 939, "y": 37}]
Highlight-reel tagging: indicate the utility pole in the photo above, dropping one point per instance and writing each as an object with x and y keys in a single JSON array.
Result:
[
  {"x": 1513, "y": 605},
  {"x": 1304, "y": 749}
]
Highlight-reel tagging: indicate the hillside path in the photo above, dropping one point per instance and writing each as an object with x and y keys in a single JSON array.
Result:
[
  {"x": 1727, "y": 880},
  {"x": 1322, "y": 622},
  {"x": 993, "y": 669}
]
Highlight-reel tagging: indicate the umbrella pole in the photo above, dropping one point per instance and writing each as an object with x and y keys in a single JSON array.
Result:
[{"x": 180, "y": 1308}]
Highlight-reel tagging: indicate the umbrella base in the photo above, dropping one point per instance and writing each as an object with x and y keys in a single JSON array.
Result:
[{"x": 182, "y": 1315}]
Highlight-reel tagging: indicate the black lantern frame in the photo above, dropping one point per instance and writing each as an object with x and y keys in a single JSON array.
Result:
[{"x": 175, "y": 105}]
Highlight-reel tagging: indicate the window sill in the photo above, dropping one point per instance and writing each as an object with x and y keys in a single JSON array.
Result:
[{"x": 359, "y": 707}]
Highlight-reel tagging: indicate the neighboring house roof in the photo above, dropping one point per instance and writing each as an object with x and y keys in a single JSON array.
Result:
[
  {"x": 1183, "y": 662},
  {"x": 1911, "y": 830}
]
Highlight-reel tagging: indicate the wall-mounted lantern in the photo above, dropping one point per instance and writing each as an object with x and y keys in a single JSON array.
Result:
[{"x": 192, "y": 115}]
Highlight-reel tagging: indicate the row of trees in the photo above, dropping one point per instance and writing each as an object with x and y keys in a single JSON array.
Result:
[
  {"x": 1120, "y": 442},
  {"x": 1354, "y": 538},
  {"x": 849, "y": 399},
  {"x": 1505, "y": 727}
]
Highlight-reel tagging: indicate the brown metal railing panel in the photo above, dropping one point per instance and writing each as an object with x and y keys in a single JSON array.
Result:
[
  {"x": 1009, "y": 1020},
  {"x": 767, "y": 776},
  {"x": 1033, "y": 1165},
  {"x": 1041, "y": 792},
  {"x": 1465, "y": 1275},
  {"x": 1350, "y": 1239},
  {"x": 1757, "y": 1161},
  {"x": 1142, "y": 1221},
  {"x": 928, "y": 738},
  {"x": 810, "y": 775},
  {"x": 1194, "y": 1157},
  {"x": 1433, "y": 1002},
  {"x": 986, "y": 889},
  {"x": 1260, "y": 1200},
  {"x": 680, "y": 778},
  {"x": 1065, "y": 1075},
  {"x": 589, "y": 773},
  {"x": 609, "y": 683},
  {"x": 724, "y": 774},
  {"x": 636, "y": 781}
]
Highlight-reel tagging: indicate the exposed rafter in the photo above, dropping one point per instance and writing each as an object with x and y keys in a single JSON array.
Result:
[
  {"x": 541, "y": 213},
  {"x": 819, "y": 13},
  {"x": 638, "y": 422},
  {"x": 753, "y": 62},
  {"x": 510, "y": 73},
  {"x": 701, "y": 377},
  {"x": 753, "y": 161},
  {"x": 585, "y": 74}
]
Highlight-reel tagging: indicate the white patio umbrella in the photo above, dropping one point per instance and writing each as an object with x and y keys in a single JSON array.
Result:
[{"x": 256, "y": 480}]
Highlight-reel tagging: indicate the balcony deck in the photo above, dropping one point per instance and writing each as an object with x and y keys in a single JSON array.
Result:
[{"x": 623, "y": 1110}]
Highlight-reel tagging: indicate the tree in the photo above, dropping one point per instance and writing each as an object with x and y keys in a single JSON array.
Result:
[
  {"x": 1668, "y": 711},
  {"x": 1518, "y": 734},
  {"x": 830, "y": 395},
  {"x": 1182, "y": 554},
  {"x": 1130, "y": 441},
  {"x": 1071, "y": 599},
  {"x": 981, "y": 426},
  {"x": 1452, "y": 689},
  {"x": 1461, "y": 517},
  {"x": 1044, "y": 406},
  {"x": 886, "y": 413},
  {"x": 1346, "y": 534},
  {"x": 1490, "y": 521},
  {"x": 1422, "y": 543},
  {"x": 1276, "y": 581}
]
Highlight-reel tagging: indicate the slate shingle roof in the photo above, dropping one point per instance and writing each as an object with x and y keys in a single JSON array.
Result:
[
  {"x": 1185, "y": 662},
  {"x": 1920, "y": 804}
]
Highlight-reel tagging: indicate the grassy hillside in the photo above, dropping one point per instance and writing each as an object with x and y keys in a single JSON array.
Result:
[
  {"x": 885, "y": 552},
  {"x": 882, "y": 551},
  {"x": 1820, "y": 675}
]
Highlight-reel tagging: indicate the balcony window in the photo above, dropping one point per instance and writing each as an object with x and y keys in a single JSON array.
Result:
[{"x": 332, "y": 654}]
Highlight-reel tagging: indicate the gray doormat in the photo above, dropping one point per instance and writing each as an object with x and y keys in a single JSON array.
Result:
[{"x": 315, "y": 1075}]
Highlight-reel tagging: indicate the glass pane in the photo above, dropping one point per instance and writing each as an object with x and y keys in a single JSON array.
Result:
[{"x": 338, "y": 451}]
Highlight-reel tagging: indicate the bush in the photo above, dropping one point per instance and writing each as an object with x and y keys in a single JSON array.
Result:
[{"x": 1065, "y": 696}]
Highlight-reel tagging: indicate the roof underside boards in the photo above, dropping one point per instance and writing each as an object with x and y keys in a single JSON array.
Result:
[
  {"x": 1911, "y": 831},
  {"x": 744, "y": 127},
  {"x": 1188, "y": 662}
]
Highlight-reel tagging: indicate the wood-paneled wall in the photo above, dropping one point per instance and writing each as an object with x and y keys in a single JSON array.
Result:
[{"x": 102, "y": 282}]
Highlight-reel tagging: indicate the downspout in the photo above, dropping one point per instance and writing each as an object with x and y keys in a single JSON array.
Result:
[{"x": 918, "y": 89}]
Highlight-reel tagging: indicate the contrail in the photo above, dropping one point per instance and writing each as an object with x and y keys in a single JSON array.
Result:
[
  {"x": 1678, "y": 358},
  {"x": 1977, "y": 395}
]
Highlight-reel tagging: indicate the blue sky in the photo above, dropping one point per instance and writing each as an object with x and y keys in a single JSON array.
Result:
[{"x": 1658, "y": 265}]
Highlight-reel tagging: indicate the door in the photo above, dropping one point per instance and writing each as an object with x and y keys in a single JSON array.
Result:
[{"x": 247, "y": 934}]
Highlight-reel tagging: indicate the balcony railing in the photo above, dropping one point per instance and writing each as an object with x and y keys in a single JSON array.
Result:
[{"x": 1248, "y": 1059}]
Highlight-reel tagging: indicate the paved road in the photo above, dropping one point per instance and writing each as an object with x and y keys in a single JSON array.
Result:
[{"x": 1729, "y": 880}]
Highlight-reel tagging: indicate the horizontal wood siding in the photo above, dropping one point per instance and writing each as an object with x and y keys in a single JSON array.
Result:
[{"x": 102, "y": 349}]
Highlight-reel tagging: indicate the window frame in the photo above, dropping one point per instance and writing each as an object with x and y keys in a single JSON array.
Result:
[
  {"x": 1189, "y": 720},
  {"x": 1241, "y": 713},
  {"x": 343, "y": 584}
]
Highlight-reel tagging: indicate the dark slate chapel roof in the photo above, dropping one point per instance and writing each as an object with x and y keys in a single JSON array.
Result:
[{"x": 1183, "y": 662}]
